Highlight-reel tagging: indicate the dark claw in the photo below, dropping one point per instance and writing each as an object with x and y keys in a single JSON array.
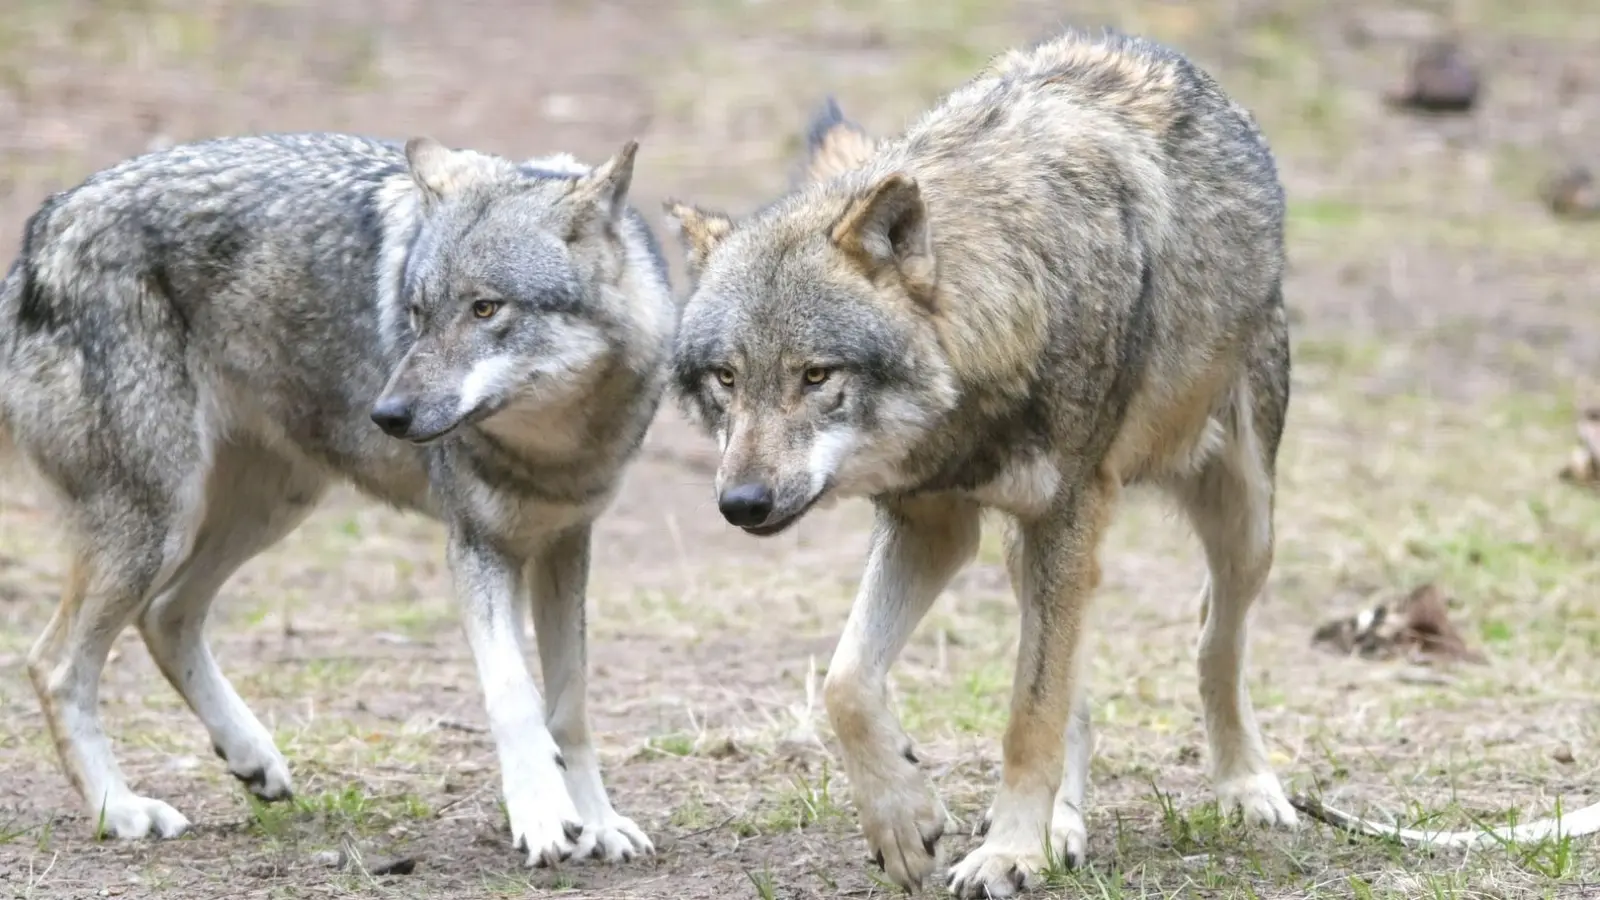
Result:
[
  {"x": 983, "y": 827},
  {"x": 573, "y": 830},
  {"x": 217, "y": 749},
  {"x": 565, "y": 855},
  {"x": 911, "y": 755},
  {"x": 1017, "y": 878},
  {"x": 561, "y": 762},
  {"x": 627, "y": 856},
  {"x": 878, "y": 860},
  {"x": 521, "y": 846}
]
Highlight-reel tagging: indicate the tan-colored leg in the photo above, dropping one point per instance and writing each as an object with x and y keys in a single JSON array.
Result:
[
  {"x": 1229, "y": 503},
  {"x": 103, "y": 592},
  {"x": 1059, "y": 571}
]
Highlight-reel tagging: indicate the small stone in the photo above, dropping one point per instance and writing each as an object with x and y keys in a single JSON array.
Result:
[
  {"x": 1441, "y": 80},
  {"x": 1573, "y": 193},
  {"x": 1563, "y": 755}
]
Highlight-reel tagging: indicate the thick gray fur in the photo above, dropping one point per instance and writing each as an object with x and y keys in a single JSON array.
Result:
[{"x": 197, "y": 342}]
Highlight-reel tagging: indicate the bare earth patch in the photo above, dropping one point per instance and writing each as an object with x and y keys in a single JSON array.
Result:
[{"x": 1445, "y": 336}]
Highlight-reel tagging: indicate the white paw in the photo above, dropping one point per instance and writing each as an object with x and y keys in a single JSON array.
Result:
[
  {"x": 261, "y": 768},
  {"x": 131, "y": 817},
  {"x": 613, "y": 838},
  {"x": 1069, "y": 836},
  {"x": 1260, "y": 798},
  {"x": 903, "y": 822},
  {"x": 544, "y": 823},
  {"x": 998, "y": 868}
]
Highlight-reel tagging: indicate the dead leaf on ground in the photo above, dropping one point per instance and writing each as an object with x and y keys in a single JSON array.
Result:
[{"x": 1416, "y": 628}]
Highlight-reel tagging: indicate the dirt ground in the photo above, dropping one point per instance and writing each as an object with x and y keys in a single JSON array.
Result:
[{"x": 1446, "y": 331}]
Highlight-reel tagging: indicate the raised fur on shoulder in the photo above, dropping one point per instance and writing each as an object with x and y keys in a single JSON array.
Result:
[
  {"x": 197, "y": 342},
  {"x": 1064, "y": 279}
]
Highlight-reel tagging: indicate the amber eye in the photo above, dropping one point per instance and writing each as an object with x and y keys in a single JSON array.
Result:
[
  {"x": 725, "y": 377},
  {"x": 483, "y": 309},
  {"x": 816, "y": 375}
]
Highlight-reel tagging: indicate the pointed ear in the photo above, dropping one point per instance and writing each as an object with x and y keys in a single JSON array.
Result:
[
  {"x": 604, "y": 191},
  {"x": 886, "y": 231},
  {"x": 698, "y": 230},
  {"x": 440, "y": 171}
]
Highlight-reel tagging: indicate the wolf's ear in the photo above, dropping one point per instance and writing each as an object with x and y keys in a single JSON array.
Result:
[
  {"x": 886, "y": 231},
  {"x": 440, "y": 171},
  {"x": 834, "y": 145},
  {"x": 603, "y": 193},
  {"x": 698, "y": 230}
]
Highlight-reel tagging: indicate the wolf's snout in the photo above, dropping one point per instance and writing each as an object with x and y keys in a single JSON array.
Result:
[
  {"x": 393, "y": 415},
  {"x": 746, "y": 505}
]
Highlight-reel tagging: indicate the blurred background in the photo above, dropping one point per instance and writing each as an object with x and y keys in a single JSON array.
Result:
[{"x": 1443, "y": 290}]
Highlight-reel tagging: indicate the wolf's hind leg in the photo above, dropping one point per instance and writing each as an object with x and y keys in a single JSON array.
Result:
[
  {"x": 126, "y": 544},
  {"x": 1229, "y": 501},
  {"x": 253, "y": 499}
]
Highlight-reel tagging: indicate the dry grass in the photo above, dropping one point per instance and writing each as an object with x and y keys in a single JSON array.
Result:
[{"x": 1444, "y": 338}]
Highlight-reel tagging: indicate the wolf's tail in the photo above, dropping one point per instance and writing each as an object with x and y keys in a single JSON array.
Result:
[
  {"x": 834, "y": 145},
  {"x": 1574, "y": 824}
]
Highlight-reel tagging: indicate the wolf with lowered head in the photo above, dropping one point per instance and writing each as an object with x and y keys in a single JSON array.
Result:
[
  {"x": 1063, "y": 280},
  {"x": 197, "y": 342}
]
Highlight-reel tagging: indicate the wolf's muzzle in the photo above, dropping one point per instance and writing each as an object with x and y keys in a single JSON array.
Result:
[
  {"x": 746, "y": 505},
  {"x": 393, "y": 415}
]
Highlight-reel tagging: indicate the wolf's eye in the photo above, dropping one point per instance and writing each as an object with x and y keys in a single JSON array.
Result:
[
  {"x": 816, "y": 375},
  {"x": 483, "y": 309},
  {"x": 725, "y": 377}
]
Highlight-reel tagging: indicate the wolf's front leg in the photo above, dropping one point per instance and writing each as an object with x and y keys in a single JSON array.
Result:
[
  {"x": 917, "y": 546},
  {"x": 558, "y": 578},
  {"x": 544, "y": 821},
  {"x": 1054, "y": 573}
]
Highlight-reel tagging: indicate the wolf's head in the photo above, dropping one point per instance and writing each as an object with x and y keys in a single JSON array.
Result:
[
  {"x": 807, "y": 344},
  {"x": 509, "y": 287}
]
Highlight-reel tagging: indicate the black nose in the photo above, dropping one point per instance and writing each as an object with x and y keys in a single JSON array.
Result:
[
  {"x": 746, "y": 505},
  {"x": 393, "y": 415}
]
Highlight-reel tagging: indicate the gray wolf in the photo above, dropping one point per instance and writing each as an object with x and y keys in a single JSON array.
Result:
[
  {"x": 1063, "y": 280},
  {"x": 195, "y": 343}
]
